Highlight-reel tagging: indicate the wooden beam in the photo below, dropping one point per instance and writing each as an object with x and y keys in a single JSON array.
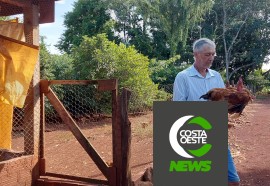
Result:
[
  {"x": 103, "y": 84},
  {"x": 8, "y": 10},
  {"x": 126, "y": 138},
  {"x": 47, "y": 11},
  {"x": 18, "y": 3},
  {"x": 32, "y": 104},
  {"x": 44, "y": 86},
  {"x": 76, "y": 178},
  {"x": 117, "y": 137},
  {"x": 73, "y": 82},
  {"x": 42, "y": 161},
  {"x": 108, "y": 84},
  {"x": 65, "y": 116}
]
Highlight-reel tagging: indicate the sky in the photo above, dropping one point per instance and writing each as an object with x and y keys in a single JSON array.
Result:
[{"x": 53, "y": 31}]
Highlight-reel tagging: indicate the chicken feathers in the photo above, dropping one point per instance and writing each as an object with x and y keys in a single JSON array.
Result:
[{"x": 237, "y": 97}]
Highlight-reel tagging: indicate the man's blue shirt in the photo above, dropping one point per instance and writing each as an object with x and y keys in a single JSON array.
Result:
[{"x": 190, "y": 85}]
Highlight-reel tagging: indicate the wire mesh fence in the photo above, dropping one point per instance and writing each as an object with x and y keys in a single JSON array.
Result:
[
  {"x": 91, "y": 110},
  {"x": 15, "y": 133},
  {"x": 18, "y": 130}
]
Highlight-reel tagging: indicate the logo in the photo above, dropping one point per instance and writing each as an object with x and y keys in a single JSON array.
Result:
[
  {"x": 190, "y": 137},
  {"x": 190, "y": 143}
]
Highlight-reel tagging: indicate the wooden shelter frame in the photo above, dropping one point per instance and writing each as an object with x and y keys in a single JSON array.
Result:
[
  {"x": 36, "y": 12},
  {"x": 121, "y": 132}
]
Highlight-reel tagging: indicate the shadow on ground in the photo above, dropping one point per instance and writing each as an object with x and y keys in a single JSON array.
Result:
[{"x": 255, "y": 177}]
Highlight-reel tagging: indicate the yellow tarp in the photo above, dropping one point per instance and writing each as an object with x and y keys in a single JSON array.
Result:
[
  {"x": 12, "y": 29},
  {"x": 17, "y": 63},
  {"x": 6, "y": 112}
]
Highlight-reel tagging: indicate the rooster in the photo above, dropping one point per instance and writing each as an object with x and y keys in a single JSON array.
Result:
[{"x": 237, "y": 97}]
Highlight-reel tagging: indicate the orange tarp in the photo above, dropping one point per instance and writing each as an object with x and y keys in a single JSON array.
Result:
[
  {"x": 17, "y": 63},
  {"x": 6, "y": 112}
]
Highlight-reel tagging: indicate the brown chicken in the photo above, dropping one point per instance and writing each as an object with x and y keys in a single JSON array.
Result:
[{"x": 237, "y": 97}]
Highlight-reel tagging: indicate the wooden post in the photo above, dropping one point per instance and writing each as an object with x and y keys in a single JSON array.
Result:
[
  {"x": 122, "y": 140},
  {"x": 116, "y": 138},
  {"x": 42, "y": 163},
  {"x": 32, "y": 103},
  {"x": 126, "y": 138}
]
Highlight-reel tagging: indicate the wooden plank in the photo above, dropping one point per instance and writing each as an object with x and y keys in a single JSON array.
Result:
[
  {"x": 108, "y": 84},
  {"x": 32, "y": 102},
  {"x": 46, "y": 9},
  {"x": 31, "y": 24},
  {"x": 7, "y": 9},
  {"x": 103, "y": 84},
  {"x": 73, "y": 82},
  {"x": 44, "y": 86},
  {"x": 18, "y": 3},
  {"x": 65, "y": 116},
  {"x": 42, "y": 162},
  {"x": 116, "y": 135},
  {"x": 113, "y": 176},
  {"x": 77, "y": 178},
  {"x": 19, "y": 42},
  {"x": 126, "y": 138}
]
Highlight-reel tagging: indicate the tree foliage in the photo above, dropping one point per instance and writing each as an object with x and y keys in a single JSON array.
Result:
[
  {"x": 241, "y": 31},
  {"x": 89, "y": 17},
  {"x": 45, "y": 59},
  {"x": 99, "y": 58},
  {"x": 53, "y": 66},
  {"x": 176, "y": 17},
  {"x": 163, "y": 72},
  {"x": 256, "y": 81},
  {"x": 162, "y": 30}
]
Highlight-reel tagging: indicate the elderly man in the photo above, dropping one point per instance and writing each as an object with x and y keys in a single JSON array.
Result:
[{"x": 198, "y": 79}]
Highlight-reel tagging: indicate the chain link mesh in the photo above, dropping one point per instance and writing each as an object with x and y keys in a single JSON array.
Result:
[
  {"x": 19, "y": 127},
  {"x": 63, "y": 153}
]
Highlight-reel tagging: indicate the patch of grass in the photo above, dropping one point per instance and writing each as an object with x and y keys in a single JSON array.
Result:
[
  {"x": 65, "y": 137},
  {"x": 143, "y": 129}
]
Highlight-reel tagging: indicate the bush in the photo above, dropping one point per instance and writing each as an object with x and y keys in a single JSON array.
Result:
[{"x": 99, "y": 58}]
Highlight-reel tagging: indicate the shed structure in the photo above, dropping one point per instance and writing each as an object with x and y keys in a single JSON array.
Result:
[{"x": 21, "y": 167}]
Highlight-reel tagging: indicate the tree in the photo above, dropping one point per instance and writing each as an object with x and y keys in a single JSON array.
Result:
[
  {"x": 176, "y": 17},
  {"x": 257, "y": 81},
  {"x": 241, "y": 31},
  {"x": 132, "y": 24},
  {"x": 45, "y": 59},
  {"x": 89, "y": 17},
  {"x": 163, "y": 72},
  {"x": 99, "y": 58},
  {"x": 157, "y": 27},
  {"x": 54, "y": 66}
]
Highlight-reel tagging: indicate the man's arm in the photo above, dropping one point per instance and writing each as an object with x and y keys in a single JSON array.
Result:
[{"x": 180, "y": 88}]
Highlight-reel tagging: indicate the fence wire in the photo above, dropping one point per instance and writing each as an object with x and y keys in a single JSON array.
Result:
[
  {"x": 91, "y": 110},
  {"x": 16, "y": 132},
  {"x": 19, "y": 127}
]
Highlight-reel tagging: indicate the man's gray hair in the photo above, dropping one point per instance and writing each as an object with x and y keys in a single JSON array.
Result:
[{"x": 198, "y": 44}]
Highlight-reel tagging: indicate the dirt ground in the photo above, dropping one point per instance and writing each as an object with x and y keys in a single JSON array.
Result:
[{"x": 249, "y": 140}]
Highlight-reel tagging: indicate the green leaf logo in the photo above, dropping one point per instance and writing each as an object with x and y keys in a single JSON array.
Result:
[{"x": 203, "y": 123}]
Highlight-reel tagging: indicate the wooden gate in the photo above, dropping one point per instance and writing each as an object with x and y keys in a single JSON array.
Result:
[{"x": 118, "y": 173}]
